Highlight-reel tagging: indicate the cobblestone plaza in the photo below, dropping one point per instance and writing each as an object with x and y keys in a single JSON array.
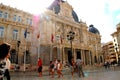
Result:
[{"x": 100, "y": 74}]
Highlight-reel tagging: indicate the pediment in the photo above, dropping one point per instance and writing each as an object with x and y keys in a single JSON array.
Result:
[{"x": 66, "y": 10}]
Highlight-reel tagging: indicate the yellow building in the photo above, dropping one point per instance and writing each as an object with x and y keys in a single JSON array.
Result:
[
  {"x": 108, "y": 52},
  {"x": 62, "y": 35},
  {"x": 13, "y": 23},
  {"x": 116, "y": 41}
]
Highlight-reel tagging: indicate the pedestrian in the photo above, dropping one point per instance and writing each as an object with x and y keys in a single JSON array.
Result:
[
  {"x": 8, "y": 66},
  {"x": 51, "y": 69},
  {"x": 72, "y": 67},
  {"x": 79, "y": 64},
  {"x": 4, "y": 51},
  {"x": 40, "y": 67},
  {"x": 107, "y": 65},
  {"x": 55, "y": 63},
  {"x": 59, "y": 69}
]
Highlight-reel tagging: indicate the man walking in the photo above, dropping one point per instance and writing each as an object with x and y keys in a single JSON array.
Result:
[
  {"x": 40, "y": 67},
  {"x": 79, "y": 67}
]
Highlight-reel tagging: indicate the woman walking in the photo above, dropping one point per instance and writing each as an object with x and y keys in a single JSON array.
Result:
[{"x": 72, "y": 67}]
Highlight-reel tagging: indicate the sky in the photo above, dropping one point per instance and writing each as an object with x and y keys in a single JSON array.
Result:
[{"x": 103, "y": 14}]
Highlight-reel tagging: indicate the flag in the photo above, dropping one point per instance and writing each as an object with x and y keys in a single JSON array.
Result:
[
  {"x": 52, "y": 37},
  {"x": 36, "y": 26},
  {"x": 25, "y": 33},
  {"x": 36, "y": 19}
]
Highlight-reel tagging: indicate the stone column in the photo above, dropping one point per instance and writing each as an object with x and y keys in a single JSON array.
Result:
[
  {"x": 83, "y": 55},
  {"x": 90, "y": 58},
  {"x": 74, "y": 54},
  {"x": 58, "y": 52},
  {"x": 63, "y": 53}
]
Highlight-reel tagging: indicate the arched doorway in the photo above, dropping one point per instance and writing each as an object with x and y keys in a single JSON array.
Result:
[
  {"x": 78, "y": 54},
  {"x": 13, "y": 56},
  {"x": 69, "y": 56},
  {"x": 27, "y": 57},
  {"x": 95, "y": 59}
]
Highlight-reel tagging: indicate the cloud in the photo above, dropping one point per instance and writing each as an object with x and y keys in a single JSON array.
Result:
[
  {"x": 33, "y": 7},
  {"x": 113, "y": 5},
  {"x": 100, "y": 13}
]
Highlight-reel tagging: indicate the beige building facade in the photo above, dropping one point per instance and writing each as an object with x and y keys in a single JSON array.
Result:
[
  {"x": 109, "y": 52},
  {"x": 116, "y": 41},
  {"x": 13, "y": 24},
  {"x": 53, "y": 27}
]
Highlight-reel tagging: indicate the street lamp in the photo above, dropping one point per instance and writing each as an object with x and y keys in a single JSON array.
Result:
[
  {"x": 18, "y": 45},
  {"x": 70, "y": 37}
]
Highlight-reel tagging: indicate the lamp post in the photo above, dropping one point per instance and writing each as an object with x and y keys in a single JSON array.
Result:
[
  {"x": 18, "y": 45},
  {"x": 70, "y": 37}
]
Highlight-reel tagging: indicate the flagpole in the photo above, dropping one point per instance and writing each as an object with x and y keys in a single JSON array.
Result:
[
  {"x": 51, "y": 46},
  {"x": 38, "y": 48},
  {"x": 25, "y": 55},
  {"x": 51, "y": 52},
  {"x": 25, "y": 36}
]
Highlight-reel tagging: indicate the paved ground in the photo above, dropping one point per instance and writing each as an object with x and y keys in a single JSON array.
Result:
[
  {"x": 89, "y": 75},
  {"x": 109, "y": 75}
]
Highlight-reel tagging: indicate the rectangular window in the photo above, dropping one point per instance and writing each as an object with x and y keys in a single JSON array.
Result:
[
  {"x": 1, "y": 13},
  {"x": 19, "y": 19},
  {"x": 14, "y": 18},
  {"x": 5, "y": 15},
  {"x": 15, "y": 34},
  {"x": 30, "y": 22},
  {"x": 1, "y": 31}
]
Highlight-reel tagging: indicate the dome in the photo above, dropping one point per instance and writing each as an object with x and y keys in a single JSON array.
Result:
[
  {"x": 56, "y": 6},
  {"x": 93, "y": 29}
]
